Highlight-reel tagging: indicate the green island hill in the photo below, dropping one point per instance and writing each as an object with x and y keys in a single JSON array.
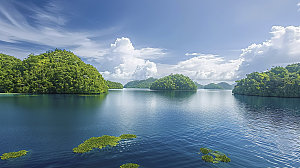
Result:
[
  {"x": 221, "y": 85},
  {"x": 53, "y": 72},
  {"x": 101, "y": 142},
  {"x": 140, "y": 83},
  {"x": 276, "y": 82},
  {"x": 174, "y": 82},
  {"x": 130, "y": 165},
  {"x": 114, "y": 85},
  {"x": 212, "y": 156},
  {"x": 10, "y": 155}
]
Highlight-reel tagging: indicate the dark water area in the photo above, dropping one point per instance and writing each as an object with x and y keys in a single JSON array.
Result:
[{"x": 171, "y": 127}]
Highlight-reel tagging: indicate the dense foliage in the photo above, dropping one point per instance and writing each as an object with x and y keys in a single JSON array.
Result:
[
  {"x": 114, "y": 85},
  {"x": 174, "y": 82},
  {"x": 140, "y": 83},
  {"x": 212, "y": 156},
  {"x": 101, "y": 142},
  {"x": 58, "y": 71},
  {"x": 279, "y": 82},
  {"x": 130, "y": 165},
  {"x": 221, "y": 85},
  {"x": 9, "y": 155}
]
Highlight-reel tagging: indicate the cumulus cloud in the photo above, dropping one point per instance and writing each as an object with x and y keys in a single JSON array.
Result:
[
  {"x": 206, "y": 68},
  {"x": 281, "y": 49},
  {"x": 123, "y": 62}
]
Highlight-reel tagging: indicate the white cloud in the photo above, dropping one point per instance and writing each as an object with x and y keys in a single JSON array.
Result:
[
  {"x": 123, "y": 62},
  {"x": 298, "y": 6},
  {"x": 206, "y": 68},
  {"x": 281, "y": 49}
]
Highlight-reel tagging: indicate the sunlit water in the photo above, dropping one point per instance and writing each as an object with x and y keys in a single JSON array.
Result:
[{"x": 171, "y": 127}]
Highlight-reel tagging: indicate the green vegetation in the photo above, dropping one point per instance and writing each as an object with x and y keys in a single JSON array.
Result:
[
  {"x": 277, "y": 82},
  {"x": 130, "y": 165},
  {"x": 221, "y": 85},
  {"x": 212, "y": 86},
  {"x": 114, "y": 85},
  {"x": 13, "y": 154},
  {"x": 213, "y": 156},
  {"x": 53, "y": 72},
  {"x": 174, "y": 82},
  {"x": 140, "y": 83},
  {"x": 199, "y": 86},
  {"x": 101, "y": 142},
  {"x": 128, "y": 136}
]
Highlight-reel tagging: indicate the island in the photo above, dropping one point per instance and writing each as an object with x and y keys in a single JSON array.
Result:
[
  {"x": 130, "y": 165},
  {"x": 10, "y": 155},
  {"x": 174, "y": 82},
  {"x": 140, "y": 83},
  {"x": 53, "y": 72},
  {"x": 221, "y": 85},
  {"x": 114, "y": 85},
  {"x": 212, "y": 156},
  {"x": 277, "y": 82},
  {"x": 101, "y": 142}
]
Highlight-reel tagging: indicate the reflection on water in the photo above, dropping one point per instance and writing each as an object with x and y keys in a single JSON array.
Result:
[
  {"x": 273, "y": 125},
  {"x": 171, "y": 127}
]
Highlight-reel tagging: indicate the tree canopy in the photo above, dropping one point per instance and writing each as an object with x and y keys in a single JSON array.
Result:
[
  {"x": 114, "y": 85},
  {"x": 174, "y": 82},
  {"x": 140, "y": 83},
  {"x": 53, "y": 72},
  {"x": 278, "y": 82}
]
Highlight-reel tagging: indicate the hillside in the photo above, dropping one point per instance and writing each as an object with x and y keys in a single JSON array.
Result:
[
  {"x": 174, "y": 82},
  {"x": 53, "y": 72},
  {"x": 277, "y": 82},
  {"x": 140, "y": 83},
  {"x": 114, "y": 85}
]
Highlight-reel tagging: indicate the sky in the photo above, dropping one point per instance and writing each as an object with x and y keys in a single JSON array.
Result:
[{"x": 207, "y": 40}]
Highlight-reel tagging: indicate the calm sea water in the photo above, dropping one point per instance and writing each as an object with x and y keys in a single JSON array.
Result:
[{"x": 171, "y": 127}]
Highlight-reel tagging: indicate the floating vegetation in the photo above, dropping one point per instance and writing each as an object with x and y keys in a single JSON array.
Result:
[
  {"x": 127, "y": 136},
  {"x": 130, "y": 165},
  {"x": 13, "y": 154},
  {"x": 101, "y": 142},
  {"x": 213, "y": 156}
]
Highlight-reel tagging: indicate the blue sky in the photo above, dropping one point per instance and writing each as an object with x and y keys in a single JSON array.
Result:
[{"x": 209, "y": 41}]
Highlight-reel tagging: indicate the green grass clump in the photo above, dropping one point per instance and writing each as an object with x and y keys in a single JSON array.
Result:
[
  {"x": 127, "y": 136},
  {"x": 97, "y": 142},
  {"x": 205, "y": 150},
  {"x": 208, "y": 158},
  {"x": 101, "y": 142},
  {"x": 130, "y": 165},
  {"x": 13, "y": 154},
  {"x": 213, "y": 156}
]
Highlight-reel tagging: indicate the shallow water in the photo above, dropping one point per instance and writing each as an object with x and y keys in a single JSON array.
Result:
[{"x": 171, "y": 127}]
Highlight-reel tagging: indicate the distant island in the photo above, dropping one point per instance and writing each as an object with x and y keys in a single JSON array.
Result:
[
  {"x": 140, "y": 83},
  {"x": 53, "y": 72},
  {"x": 221, "y": 85},
  {"x": 277, "y": 82},
  {"x": 114, "y": 85},
  {"x": 174, "y": 82}
]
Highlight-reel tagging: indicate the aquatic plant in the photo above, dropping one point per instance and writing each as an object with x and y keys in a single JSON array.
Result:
[
  {"x": 130, "y": 165},
  {"x": 208, "y": 158},
  {"x": 205, "y": 150},
  {"x": 213, "y": 156},
  {"x": 127, "y": 136},
  {"x": 13, "y": 154},
  {"x": 101, "y": 142}
]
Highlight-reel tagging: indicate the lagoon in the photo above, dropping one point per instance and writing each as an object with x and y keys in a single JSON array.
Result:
[{"x": 171, "y": 127}]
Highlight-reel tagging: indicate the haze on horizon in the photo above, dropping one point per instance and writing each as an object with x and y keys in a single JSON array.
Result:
[{"x": 209, "y": 41}]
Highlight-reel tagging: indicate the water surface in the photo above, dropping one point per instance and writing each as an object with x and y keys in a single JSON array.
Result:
[{"x": 171, "y": 127}]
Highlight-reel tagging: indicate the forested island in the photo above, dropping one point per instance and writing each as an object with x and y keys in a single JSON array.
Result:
[
  {"x": 174, "y": 82},
  {"x": 53, "y": 72},
  {"x": 140, "y": 83},
  {"x": 277, "y": 82},
  {"x": 114, "y": 85}
]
